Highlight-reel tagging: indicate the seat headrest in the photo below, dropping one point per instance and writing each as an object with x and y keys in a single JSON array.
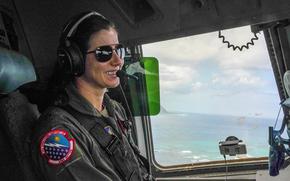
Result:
[{"x": 15, "y": 70}]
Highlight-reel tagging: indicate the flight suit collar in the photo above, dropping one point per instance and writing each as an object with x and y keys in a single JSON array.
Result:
[
  {"x": 83, "y": 106},
  {"x": 79, "y": 103}
]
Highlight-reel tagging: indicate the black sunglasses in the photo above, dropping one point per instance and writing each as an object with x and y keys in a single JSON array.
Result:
[{"x": 104, "y": 53}]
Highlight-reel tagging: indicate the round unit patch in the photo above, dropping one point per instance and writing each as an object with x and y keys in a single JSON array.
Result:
[{"x": 56, "y": 146}]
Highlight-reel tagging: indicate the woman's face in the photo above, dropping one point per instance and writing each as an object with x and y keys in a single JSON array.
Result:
[{"x": 102, "y": 75}]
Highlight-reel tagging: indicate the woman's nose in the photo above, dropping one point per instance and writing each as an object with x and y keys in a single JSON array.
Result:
[{"x": 116, "y": 60}]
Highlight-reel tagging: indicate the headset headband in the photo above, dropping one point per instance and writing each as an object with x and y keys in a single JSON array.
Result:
[{"x": 75, "y": 25}]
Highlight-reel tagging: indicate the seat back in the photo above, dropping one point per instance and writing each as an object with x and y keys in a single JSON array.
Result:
[{"x": 17, "y": 116}]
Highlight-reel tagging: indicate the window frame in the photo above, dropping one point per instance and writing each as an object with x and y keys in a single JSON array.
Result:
[{"x": 279, "y": 58}]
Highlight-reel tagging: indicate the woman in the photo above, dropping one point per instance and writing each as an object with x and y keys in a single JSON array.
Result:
[{"x": 84, "y": 137}]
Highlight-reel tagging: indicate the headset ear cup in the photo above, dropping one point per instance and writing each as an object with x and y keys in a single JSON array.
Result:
[
  {"x": 70, "y": 60},
  {"x": 64, "y": 63},
  {"x": 78, "y": 61}
]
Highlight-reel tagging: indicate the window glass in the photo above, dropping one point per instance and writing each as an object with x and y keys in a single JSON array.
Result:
[{"x": 209, "y": 92}]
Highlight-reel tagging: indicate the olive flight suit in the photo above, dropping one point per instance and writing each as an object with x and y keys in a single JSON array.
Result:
[{"x": 75, "y": 142}]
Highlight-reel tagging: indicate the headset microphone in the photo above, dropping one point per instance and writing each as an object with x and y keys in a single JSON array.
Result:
[{"x": 122, "y": 73}]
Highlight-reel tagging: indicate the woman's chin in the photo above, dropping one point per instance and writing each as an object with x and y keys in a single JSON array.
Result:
[{"x": 113, "y": 84}]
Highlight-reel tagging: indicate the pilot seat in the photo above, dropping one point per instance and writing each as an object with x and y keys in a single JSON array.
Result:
[{"x": 17, "y": 116}]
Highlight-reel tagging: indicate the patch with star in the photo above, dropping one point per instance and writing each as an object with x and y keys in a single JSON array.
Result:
[{"x": 56, "y": 146}]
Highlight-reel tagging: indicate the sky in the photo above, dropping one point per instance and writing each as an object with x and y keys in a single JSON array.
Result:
[{"x": 199, "y": 74}]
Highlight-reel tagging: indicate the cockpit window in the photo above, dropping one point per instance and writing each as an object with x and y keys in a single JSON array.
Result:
[{"x": 209, "y": 92}]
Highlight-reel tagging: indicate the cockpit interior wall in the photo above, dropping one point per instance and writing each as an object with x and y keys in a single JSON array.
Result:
[
  {"x": 11, "y": 31},
  {"x": 4, "y": 39}
]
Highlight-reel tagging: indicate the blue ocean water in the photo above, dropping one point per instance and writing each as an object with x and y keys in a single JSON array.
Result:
[{"x": 190, "y": 138}]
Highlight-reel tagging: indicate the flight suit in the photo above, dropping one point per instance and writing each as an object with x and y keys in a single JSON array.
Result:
[{"x": 93, "y": 153}]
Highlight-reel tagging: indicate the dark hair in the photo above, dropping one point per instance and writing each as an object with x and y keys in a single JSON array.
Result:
[{"x": 87, "y": 27}]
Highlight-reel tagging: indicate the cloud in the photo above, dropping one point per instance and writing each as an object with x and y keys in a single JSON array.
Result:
[
  {"x": 237, "y": 77},
  {"x": 182, "y": 51},
  {"x": 183, "y": 61},
  {"x": 178, "y": 79},
  {"x": 253, "y": 58},
  {"x": 197, "y": 85},
  {"x": 195, "y": 49}
]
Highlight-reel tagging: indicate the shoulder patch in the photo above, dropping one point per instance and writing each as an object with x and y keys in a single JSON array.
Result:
[{"x": 56, "y": 146}]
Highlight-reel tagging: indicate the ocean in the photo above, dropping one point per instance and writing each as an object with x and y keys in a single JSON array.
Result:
[{"x": 190, "y": 138}]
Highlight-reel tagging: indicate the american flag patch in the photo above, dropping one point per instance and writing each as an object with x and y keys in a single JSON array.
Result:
[{"x": 56, "y": 146}]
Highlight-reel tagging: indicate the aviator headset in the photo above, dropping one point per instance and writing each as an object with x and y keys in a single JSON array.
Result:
[{"x": 70, "y": 57}]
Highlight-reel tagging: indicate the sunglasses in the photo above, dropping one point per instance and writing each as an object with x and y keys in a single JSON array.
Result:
[{"x": 105, "y": 53}]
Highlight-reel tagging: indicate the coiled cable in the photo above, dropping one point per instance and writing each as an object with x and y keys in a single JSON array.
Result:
[{"x": 234, "y": 47}]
